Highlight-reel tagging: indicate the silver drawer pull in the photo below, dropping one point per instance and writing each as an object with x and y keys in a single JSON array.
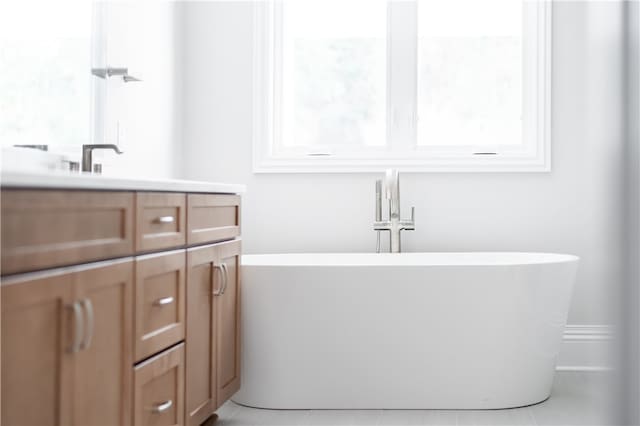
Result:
[
  {"x": 215, "y": 267},
  {"x": 162, "y": 407},
  {"x": 164, "y": 301},
  {"x": 225, "y": 273},
  {"x": 88, "y": 308},
  {"x": 165, "y": 219},
  {"x": 78, "y": 328}
]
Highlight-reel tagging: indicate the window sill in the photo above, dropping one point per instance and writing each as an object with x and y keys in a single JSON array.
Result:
[{"x": 472, "y": 164}]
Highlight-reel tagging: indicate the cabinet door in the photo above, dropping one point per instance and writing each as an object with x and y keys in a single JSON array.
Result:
[
  {"x": 228, "y": 322},
  {"x": 102, "y": 368},
  {"x": 37, "y": 334},
  {"x": 203, "y": 279}
]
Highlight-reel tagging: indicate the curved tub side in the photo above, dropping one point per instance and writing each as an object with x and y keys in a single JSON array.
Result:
[{"x": 401, "y": 337}]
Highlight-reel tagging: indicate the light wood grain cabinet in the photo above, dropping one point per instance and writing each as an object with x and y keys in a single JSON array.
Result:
[
  {"x": 148, "y": 333},
  {"x": 44, "y": 229},
  {"x": 159, "y": 389},
  {"x": 102, "y": 366},
  {"x": 37, "y": 368},
  {"x": 212, "y": 217},
  {"x": 203, "y": 279},
  {"x": 213, "y": 328},
  {"x": 160, "y": 220},
  {"x": 67, "y": 346},
  {"x": 160, "y": 302},
  {"x": 228, "y": 323}
]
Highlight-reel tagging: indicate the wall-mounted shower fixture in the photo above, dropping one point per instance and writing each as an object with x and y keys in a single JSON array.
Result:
[
  {"x": 111, "y": 72},
  {"x": 394, "y": 225}
]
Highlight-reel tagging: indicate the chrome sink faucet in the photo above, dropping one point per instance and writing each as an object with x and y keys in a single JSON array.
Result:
[
  {"x": 394, "y": 224},
  {"x": 87, "y": 154}
]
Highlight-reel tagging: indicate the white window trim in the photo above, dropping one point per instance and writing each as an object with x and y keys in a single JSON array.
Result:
[
  {"x": 98, "y": 60},
  {"x": 265, "y": 107}
]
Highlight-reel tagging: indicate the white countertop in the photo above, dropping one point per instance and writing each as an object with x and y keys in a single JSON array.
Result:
[{"x": 67, "y": 180}]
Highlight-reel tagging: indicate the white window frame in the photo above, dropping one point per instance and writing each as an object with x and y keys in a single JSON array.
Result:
[
  {"x": 534, "y": 155},
  {"x": 98, "y": 60}
]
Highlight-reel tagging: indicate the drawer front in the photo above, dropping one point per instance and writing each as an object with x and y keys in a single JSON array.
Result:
[
  {"x": 159, "y": 389},
  {"x": 160, "y": 220},
  {"x": 160, "y": 302},
  {"x": 44, "y": 229},
  {"x": 212, "y": 217}
]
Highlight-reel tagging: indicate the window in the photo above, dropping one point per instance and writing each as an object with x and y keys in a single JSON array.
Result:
[
  {"x": 360, "y": 85},
  {"x": 46, "y": 85}
]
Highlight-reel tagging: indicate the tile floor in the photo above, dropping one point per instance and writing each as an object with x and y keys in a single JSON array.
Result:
[{"x": 577, "y": 399}]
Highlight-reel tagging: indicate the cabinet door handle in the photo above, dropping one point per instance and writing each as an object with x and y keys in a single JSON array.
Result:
[
  {"x": 214, "y": 268},
  {"x": 164, "y": 301},
  {"x": 88, "y": 308},
  {"x": 78, "y": 327},
  {"x": 165, "y": 219},
  {"x": 161, "y": 407},
  {"x": 225, "y": 281}
]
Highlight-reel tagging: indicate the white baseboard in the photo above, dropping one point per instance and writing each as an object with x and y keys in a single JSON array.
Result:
[{"x": 586, "y": 348}]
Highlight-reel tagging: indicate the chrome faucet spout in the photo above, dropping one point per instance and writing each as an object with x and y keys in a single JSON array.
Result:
[
  {"x": 87, "y": 153},
  {"x": 392, "y": 192},
  {"x": 394, "y": 224}
]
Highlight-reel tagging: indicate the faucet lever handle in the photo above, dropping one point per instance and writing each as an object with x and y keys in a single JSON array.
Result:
[
  {"x": 378, "y": 200},
  {"x": 409, "y": 224}
]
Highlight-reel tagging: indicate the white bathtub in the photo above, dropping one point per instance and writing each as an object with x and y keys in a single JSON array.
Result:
[{"x": 402, "y": 331}]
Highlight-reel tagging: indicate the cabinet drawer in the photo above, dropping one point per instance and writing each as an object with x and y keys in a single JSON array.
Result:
[
  {"x": 160, "y": 302},
  {"x": 212, "y": 217},
  {"x": 43, "y": 229},
  {"x": 160, "y": 220},
  {"x": 159, "y": 389}
]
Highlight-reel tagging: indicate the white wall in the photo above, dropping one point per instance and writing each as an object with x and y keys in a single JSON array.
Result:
[
  {"x": 577, "y": 208},
  {"x": 631, "y": 358},
  {"x": 144, "y": 117}
]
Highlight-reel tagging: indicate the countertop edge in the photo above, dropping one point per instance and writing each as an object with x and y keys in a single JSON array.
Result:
[{"x": 20, "y": 180}]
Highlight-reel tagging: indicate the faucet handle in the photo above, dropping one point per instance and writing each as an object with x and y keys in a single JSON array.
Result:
[
  {"x": 409, "y": 225},
  {"x": 378, "y": 200}
]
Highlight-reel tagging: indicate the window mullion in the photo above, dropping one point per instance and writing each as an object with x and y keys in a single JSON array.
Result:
[{"x": 402, "y": 75}]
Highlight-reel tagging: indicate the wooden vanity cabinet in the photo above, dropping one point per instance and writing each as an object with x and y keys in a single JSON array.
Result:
[
  {"x": 213, "y": 328},
  {"x": 67, "y": 346},
  {"x": 151, "y": 320}
]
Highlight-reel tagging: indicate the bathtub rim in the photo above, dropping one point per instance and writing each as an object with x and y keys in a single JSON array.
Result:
[{"x": 407, "y": 259}]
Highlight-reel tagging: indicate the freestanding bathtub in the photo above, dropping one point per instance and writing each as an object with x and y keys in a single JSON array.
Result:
[{"x": 402, "y": 331}]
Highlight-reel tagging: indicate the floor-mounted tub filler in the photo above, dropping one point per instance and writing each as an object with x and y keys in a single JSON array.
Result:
[{"x": 402, "y": 331}]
